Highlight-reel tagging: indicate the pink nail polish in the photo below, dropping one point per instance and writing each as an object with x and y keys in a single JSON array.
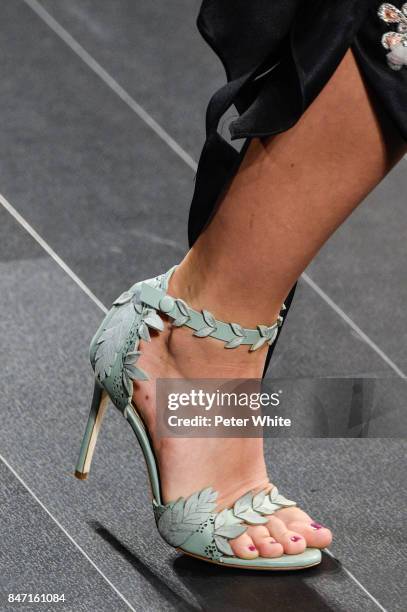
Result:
[
  {"x": 316, "y": 526},
  {"x": 295, "y": 538},
  {"x": 252, "y": 548}
]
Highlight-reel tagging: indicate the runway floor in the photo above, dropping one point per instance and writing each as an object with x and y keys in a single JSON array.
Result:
[{"x": 102, "y": 112}]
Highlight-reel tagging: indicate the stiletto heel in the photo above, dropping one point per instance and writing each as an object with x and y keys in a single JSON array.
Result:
[
  {"x": 190, "y": 525},
  {"x": 100, "y": 402}
]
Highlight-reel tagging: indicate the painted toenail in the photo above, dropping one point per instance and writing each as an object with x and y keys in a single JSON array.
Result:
[
  {"x": 295, "y": 538},
  {"x": 251, "y": 547},
  {"x": 316, "y": 526}
]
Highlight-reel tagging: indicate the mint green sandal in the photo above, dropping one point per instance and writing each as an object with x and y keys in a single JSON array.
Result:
[{"x": 191, "y": 525}]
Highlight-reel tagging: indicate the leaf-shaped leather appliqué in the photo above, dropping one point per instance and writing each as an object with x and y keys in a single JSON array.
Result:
[
  {"x": 173, "y": 533},
  {"x": 242, "y": 504},
  {"x": 180, "y": 520},
  {"x": 263, "y": 504},
  {"x": 262, "y": 330},
  {"x": 283, "y": 501},
  {"x": 178, "y": 511},
  {"x": 221, "y": 518},
  {"x": 234, "y": 343},
  {"x": 273, "y": 336},
  {"x": 135, "y": 373},
  {"x": 276, "y": 498},
  {"x": 183, "y": 308},
  {"x": 223, "y": 546},
  {"x": 259, "y": 499},
  {"x": 231, "y": 531},
  {"x": 138, "y": 307},
  {"x": 258, "y": 344},
  {"x": 209, "y": 318},
  {"x": 273, "y": 493},
  {"x": 229, "y": 517},
  {"x": 179, "y": 321},
  {"x": 205, "y": 331},
  {"x": 269, "y": 503},
  {"x": 191, "y": 503},
  {"x": 208, "y": 496},
  {"x": 252, "y": 517},
  {"x": 112, "y": 339},
  {"x": 143, "y": 332},
  {"x": 132, "y": 357},
  {"x": 237, "y": 329},
  {"x": 154, "y": 320}
]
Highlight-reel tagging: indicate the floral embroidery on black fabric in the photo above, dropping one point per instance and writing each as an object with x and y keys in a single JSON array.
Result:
[{"x": 395, "y": 41}]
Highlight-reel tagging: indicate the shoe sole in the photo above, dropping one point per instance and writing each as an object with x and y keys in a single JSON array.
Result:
[{"x": 265, "y": 568}]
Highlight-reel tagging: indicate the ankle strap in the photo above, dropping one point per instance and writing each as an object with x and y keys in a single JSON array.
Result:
[{"x": 204, "y": 323}]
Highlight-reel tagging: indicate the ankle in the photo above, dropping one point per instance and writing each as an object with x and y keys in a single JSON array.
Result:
[
  {"x": 207, "y": 357},
  {"x": 228, "y": 299}
]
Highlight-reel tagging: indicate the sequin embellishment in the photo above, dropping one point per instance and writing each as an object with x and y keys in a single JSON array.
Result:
[{"x": 395, "y": 41}]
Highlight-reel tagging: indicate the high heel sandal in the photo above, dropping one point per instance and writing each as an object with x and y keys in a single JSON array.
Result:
[{"x": 190, "y": 525}]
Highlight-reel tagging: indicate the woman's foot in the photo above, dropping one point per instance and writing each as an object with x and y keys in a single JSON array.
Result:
[{"x": 231, "y": 466}]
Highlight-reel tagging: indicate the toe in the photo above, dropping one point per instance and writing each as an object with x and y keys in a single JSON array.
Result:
[
  {"x": 265, "y": 544},
  {"x": 269, "y": 547},
  {"x": 315, "y": 534},
  {"x": 292, "y": 542},
  {"x": 244, "y": 547},
  {"x": 295, "y": 519}
]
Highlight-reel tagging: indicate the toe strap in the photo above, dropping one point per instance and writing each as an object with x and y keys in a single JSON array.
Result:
[{"x": 192, "y": 524}]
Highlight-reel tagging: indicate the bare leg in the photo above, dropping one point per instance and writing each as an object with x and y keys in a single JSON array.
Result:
[{"x": 290, "y": 194}]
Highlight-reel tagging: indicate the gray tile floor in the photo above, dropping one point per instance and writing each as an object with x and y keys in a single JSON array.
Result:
[{"x": 105, "y": 192}]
